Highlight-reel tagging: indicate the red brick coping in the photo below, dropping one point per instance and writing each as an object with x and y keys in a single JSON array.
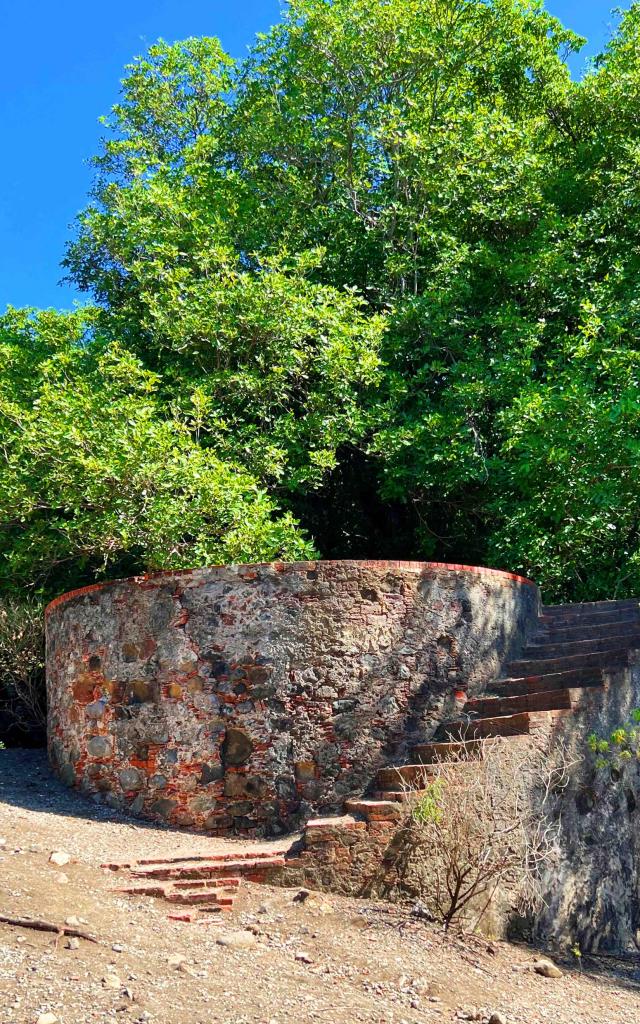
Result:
[{"x": 283, "y": 566}]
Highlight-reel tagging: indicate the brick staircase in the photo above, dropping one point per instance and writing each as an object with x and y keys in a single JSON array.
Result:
[
  {"x": 200, "y": 885},
  {"x": 569, "y": 652}
]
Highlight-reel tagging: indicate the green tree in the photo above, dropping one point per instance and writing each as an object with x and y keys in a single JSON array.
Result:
[
  {"x": 385, "y": 272},
  {"x": 278, "y": 363},
  {"x": 391, "y": 153},
  {"x": 96, "y": 478},
  {"x": 567, "y": 475}
]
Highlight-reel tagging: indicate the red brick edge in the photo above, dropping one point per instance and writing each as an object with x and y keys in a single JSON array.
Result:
[{"x": 479, "y": 570}]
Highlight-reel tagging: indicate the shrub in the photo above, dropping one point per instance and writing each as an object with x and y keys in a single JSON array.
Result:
[
  {"x": 22, "y": 676},
  {"x": 479, "y": 825},
  {"x": 621, "y": 746}
]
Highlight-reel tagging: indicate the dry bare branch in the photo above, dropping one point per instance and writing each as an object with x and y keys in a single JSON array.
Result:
[{"x": 481, "y": 823}]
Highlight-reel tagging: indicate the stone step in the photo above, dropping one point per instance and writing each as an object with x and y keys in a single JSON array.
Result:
[
  {"x": 251, "y": 868},
  {"x": 377, "y": 809},
  {"x": 521, "y": 724},
  {"x": 555, "y": 648},
  {"x": 544, "y": 634},
  {"x": 590, "y": 606},
  {"x": 400, "y": 796},
  {"x": 544, "y": 666},
  {"x": 544, "y": 700},
  {"x": 432, "y": 753},
  {"x": 598, "y": 618},
  {"x": 409, "y": 776},
  {"x": 578, "y": 678}
]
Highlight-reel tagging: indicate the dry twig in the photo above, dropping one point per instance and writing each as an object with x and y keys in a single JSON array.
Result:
[{"x": 47, "y": 926}]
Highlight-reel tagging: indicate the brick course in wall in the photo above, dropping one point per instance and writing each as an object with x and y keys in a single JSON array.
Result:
[{"x": 249, "y": 698}]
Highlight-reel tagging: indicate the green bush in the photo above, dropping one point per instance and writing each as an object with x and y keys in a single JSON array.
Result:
[{"x": 620, "y": 747}]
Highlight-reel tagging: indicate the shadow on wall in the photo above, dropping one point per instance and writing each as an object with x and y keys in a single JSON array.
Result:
[
  {"x": 463, "y": 641},
  {"x": 249, "y": 698},
  {"x": 593, "y": 888}
]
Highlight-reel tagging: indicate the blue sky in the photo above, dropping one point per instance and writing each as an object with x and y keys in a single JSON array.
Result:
[{"x": 60, "y": 69}]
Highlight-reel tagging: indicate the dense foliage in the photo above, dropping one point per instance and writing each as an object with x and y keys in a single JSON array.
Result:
[
  {"x": 373, "y": 290},
  {"x": 22, "y": 656},
  {"x": 97, "y": 475}
]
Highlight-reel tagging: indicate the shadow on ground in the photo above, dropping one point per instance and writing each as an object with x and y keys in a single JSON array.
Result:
[{"x": 27, "y": 781}]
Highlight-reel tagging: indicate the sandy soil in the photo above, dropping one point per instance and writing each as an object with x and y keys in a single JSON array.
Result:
[{"x": 328, "y": 959}]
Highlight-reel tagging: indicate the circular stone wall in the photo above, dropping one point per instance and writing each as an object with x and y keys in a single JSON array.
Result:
[{"x": 246, "y": 698}]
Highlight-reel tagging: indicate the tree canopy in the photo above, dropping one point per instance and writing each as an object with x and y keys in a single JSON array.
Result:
[{"x": 372, "y": 292}]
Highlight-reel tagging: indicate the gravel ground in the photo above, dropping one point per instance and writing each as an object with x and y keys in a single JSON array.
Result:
[{"x": 327, "y": 959}]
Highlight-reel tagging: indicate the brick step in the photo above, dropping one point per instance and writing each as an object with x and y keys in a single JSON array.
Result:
[
  {"x": 590, "y": 606},
  {"x": 399, "y": 796},
  {"x": 543, "y": 700},
  {"x": 197, "y": 915},
  {"x": 556, "y": 621},
  {"x": 156, "y": 888},
  {"x": 544, "y": 634},
  {"x": 191, "y": 898},
  {"x": 188, "y": 894},
  {"x": 409, "y": 775},
  {"x": 251, "y": 868},
  {"x": 554, "y": 648},
  {"x": 432, "y": 753},
  {"x": 201, "y": 883},
  {"x": 142, "y": 889},
  {"x": 415, "y": 776},
  {"x": 317, "y": 827},
  {"x": 521, "y": 724},
  {"x": 577, "y": 678},
  {"x": 217, "y": 858},
  {"x": 544, "y": 666},
  {"x": 376, "y": 809}
]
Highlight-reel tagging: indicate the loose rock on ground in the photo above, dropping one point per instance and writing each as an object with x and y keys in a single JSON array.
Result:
[{"x": 364, "y": 962}]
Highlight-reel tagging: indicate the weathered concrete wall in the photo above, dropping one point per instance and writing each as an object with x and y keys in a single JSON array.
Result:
[{"x": 248, "y": 698}]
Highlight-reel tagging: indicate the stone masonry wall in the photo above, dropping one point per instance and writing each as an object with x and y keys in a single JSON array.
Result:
[
  {"x": 593, "y": 888},
  {"x": 246, "y": 699}
]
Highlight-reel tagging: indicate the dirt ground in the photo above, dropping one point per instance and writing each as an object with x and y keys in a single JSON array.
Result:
[{"x": 327, "y": 959}]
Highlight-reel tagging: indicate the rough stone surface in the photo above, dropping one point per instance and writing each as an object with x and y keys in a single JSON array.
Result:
[
  {"x": 547, "y": 969},
  {"x": 343, "y": 855},
  {"x": 591, "y": 889},
  {"x": 245, "y": 699}
]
